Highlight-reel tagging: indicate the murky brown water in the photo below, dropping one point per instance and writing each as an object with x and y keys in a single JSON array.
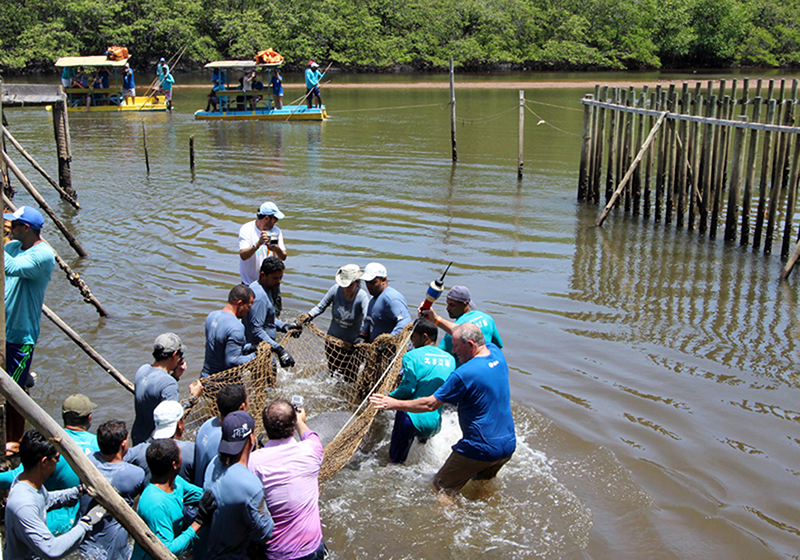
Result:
[{"x": 652, "y": 372}]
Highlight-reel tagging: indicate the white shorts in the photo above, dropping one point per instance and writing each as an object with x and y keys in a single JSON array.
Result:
[{"x": 129, "y": 92}]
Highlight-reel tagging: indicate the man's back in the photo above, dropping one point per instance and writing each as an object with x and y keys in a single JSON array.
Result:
[
  {"x": 27, "y": 275},
  {"x": 288, "y": 471},
  {"x": 481, "y": 391},
  {"x": 225, "y": 343},
  {"x": 241, "y": 515},
  {"x": 260, "y": 323},
  {"x": 481, "y": 320},
  {"x": 152, "y": 386},
  {"x": 205, "y": 447}
]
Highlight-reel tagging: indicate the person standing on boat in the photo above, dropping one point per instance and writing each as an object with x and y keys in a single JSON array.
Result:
[
  {"x": 460, "y": 307},
  {"x": 66, "y": 76},
  {"x": 277, "y": 88},
  {"x": 162, "y": 69},
  {"x": 105, "y": 76},
  {"x": 29, "y": 263},
  {"x": 259, "y": 239},
  {"x": 313, "y": 78},
  {"x": 128, "y": 85},
  {"x": 261, "y": 323},
  {"x": 213, "y": 98},
  {"x": 166, "y": 87},
  {"x": 480, "y": 390},
  {"x": 225, "y": 342}
]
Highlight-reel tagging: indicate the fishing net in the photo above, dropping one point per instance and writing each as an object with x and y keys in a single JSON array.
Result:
[{"x": 333, "y": 377}]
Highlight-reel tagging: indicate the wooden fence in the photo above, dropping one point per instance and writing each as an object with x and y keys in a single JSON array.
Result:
[{"x": 703, "y": 157}]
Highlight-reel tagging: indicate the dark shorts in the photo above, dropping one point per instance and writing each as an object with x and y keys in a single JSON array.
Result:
[
  {"x": 403, "y": 434},
  {"x": 18, "y": 362},
  {"x": 458, "y": 470}
]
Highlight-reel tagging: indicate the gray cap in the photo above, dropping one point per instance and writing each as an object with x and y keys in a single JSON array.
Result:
[
  {"x": 168, "y": 343},
  {"x": 459, "y": 293}
]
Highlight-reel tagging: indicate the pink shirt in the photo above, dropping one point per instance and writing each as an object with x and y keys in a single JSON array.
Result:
[{"x": 289, "y": 473}]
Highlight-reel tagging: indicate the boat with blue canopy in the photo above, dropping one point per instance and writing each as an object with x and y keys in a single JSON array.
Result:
[{"x": 238, "y": 102}]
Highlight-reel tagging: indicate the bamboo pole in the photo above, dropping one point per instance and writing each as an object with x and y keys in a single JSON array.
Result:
[
  {"x": 671, "y": 133},
  {"x": 612, "y": 145},
  {"x": 40, "y": 169},
  {"x": 736, "y": 179},
  {"x": 787, "y": 270},
  {"x": 625, "y": 160},
  {"x": 791, "y": 201},
  {"x": 522, "y": 137},
  {"x": 144, "y": 142},
  {"x": 637, "y": 174},
  {"x": 680, "y": 164},
  {"x": 599, "y": 139},
  {"x": 778, "y": 155},
  {"x": 636, "y": 161},
  {"x": 96, "y": 484},
  {"x": 453, "y": 111},
  {"x": 620, "y": 140},
  {"x": 694, "y": 197},
  {"x": 73, "y": 278},
  {"x": 63, "y": 145},
  {"x": 750, "y": 175},
  {"x": 766, "y": 154},
  {"x": 648, "y": 162},
  {"x": 707, "y": 163},
  {"x": 44, "y": 206},
  {"x": 661, "y": 166},
  {"x": 718, "y": 173}
]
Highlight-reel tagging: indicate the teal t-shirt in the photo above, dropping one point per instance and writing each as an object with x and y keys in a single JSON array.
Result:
[
  {"x": 27, "y": 275},
  {"x": 59, "y": 520},
  {"x": 163, "y": 513},
  {"x": 483, "y": 321},
  {"x": 425, "y": 369}
]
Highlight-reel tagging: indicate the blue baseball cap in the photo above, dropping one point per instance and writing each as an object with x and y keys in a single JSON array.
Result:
[
  {"x": 26, "y": 215},
  {"x": 270, "y": 209},
  {"x": 236, "y": 429}
]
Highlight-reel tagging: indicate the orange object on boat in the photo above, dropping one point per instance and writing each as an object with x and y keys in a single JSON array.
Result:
[
  {"x": 117, "y": 53},
  {"x": 268, "y": 56}
]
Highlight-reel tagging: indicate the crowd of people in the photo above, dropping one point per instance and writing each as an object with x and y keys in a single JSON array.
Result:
[{"x": 220, "y": 495}]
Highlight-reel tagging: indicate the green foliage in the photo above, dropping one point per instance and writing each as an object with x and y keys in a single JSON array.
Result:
[{"x": 424, "y": 34}]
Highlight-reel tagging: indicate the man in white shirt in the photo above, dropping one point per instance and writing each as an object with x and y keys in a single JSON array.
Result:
[{"x": 259, "y": 239}]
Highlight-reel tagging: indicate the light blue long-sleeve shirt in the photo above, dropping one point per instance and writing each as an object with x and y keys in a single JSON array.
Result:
[{"x": 226, "y": 346}]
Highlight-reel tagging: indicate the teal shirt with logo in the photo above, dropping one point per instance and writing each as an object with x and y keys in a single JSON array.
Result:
[
  {"x": 425, "y": 369},
  {"x": 480, "y": 319},
  {"x": 27, "y": 275}
]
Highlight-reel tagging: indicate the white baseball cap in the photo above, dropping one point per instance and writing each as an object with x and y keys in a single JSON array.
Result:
[
  {"x": 166, "y": 416},
  {"x": 374, "y": 270}
]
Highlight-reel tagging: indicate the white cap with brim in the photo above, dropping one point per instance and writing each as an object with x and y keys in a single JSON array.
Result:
[
  {"x": 166, "y": 416},
  {"x": 374, "y": 270},
  {"x": 270, "y": 209}
]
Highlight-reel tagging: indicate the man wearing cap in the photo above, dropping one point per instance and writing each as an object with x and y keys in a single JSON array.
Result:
[
  {"x": 226, "y": 346},
  {"x": 29, "y": 262},
  {"x": 460, "y": 308},
  {"x": 158, "y": 382},
  {"x": 387, "y": 312},
  {"x": 261, "y": 323},
  {"x": 425, "y": 369},
  {"x": 169, "y": 424},
  {"x": 313, "y": 78},
  {"x": 128, "y": 85},
  {"x": 289, "y": 472},
  {"x": 76, "y": 416},
  {"x": 229, "y": 398},
  {"x": 259, "y": 239},
  {"x": 242, "y": 515},
  {"x": 108, "y": 539},
  {"x": 480, "y": 390},
  {"x": 349, "y": 305}
]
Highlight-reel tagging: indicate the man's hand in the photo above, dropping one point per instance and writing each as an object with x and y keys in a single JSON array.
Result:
[
  {"x": 180, "y": 369},
  {"x": 303, "y": 319},
  {"x": 94, "y": 516},
  {"x": 284, "y": 357},
  {"x": 196, "y": 388},
  {"x": 301, "y": 415},
  {"x": 263, "y": 239},
  {"x": 206, "y": 508},
  {"x": 429, "y": 314},
  {"x": 293, "y": 329},
  {"x": 381, "y": 402}
]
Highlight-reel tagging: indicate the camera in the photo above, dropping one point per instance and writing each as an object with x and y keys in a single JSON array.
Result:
[
  {"x": 273, "y": 239},
  {"x": 297, "y": 402}
]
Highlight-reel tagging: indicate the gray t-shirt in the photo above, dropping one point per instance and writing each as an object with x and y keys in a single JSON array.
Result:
[
  {"x": 153, "y": 385},
  {"x": 205, "y": 447},
  {"x": 27, "y": 535},
  {"x": 108, "y": 539},
  {"x": 137, "y": 455},
  {"x": 225, "y": 343},
  {"x": 347, "y": 317}
]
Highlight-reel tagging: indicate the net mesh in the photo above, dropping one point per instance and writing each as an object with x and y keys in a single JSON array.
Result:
[{"x": 330, "y": 374}]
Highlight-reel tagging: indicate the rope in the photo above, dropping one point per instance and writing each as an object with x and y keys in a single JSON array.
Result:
[
  {"x": 487, "y": 119},
  {"x": 542, "y": 121},
  {"x": 378, "y": 382},
  {"x": 440, "y": 105},
  {"x": 551, "y": 105}
]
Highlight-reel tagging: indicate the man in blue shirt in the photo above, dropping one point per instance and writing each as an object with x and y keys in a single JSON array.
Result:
[
  {"x": 226, "y": 346},
  {"x": 387, "y": 312},
  {"x": 261, "y": 323},
  {"x": 242, "y": 516},
  {"x": 461, "y": 308},
  {"x": 29, "y": 262},
  {"x": 229, "y": 398},
  {"x": 277, "y": 88},
  {"x": 480, "y": 390},
  {"x": 425, "y": 369},
  {"x": 128, "y": 85},
  {"x": 313, "y": 78}
]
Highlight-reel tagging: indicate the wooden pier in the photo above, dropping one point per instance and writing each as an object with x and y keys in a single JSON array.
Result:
[{"x": 716, "y": 157}]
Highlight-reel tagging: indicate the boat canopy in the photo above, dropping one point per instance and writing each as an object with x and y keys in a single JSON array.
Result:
[
  {"x": 240, "y": 64},
  {"x": 99, "y": 60}
]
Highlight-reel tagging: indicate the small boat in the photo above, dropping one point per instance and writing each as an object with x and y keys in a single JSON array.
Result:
[
  {"x": 238, "y": 104},
  {"x": 105, "y": 99}
]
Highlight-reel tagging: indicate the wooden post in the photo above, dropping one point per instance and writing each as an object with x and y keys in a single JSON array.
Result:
[
  {"x": 453, "y": 111},
  {"x": 627, "y": 177},
  {"x": 144, "y": 142},
  {"x": 787, "y": 270},
  {"x": 612, "y": 145},
  {"x": 63, "y": 148},
  {"x": 191, "y": 152},
  {"x": 44, "y": 206},
  {"x": 750, "y": 176},
  {"x": 765, "y": 167},
  {"x": 707, "y": 163},
  {"x": 694, "y": 161},
  {"x": 671, "y": 132},
  {"x": 779, "y": 156},
  {"x": 4, "y": 184},
  {"x": 791, "y": 201},
  {"x": 736, "y": 179},
  {"x": 637, "y": 175},
  {"x": 661, "y": 163},
  {"x": 40, "y": 169},
  {"x": 600, "y": 124},
  {"x": 625, "y": 160},
  {"x": 522, "y": 137},
  {"x": 96, "y": 484},
  {"x": 648, "y": 164}
]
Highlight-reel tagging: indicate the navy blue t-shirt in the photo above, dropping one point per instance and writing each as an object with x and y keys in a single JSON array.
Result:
[{"x": 480, "y": 390}]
